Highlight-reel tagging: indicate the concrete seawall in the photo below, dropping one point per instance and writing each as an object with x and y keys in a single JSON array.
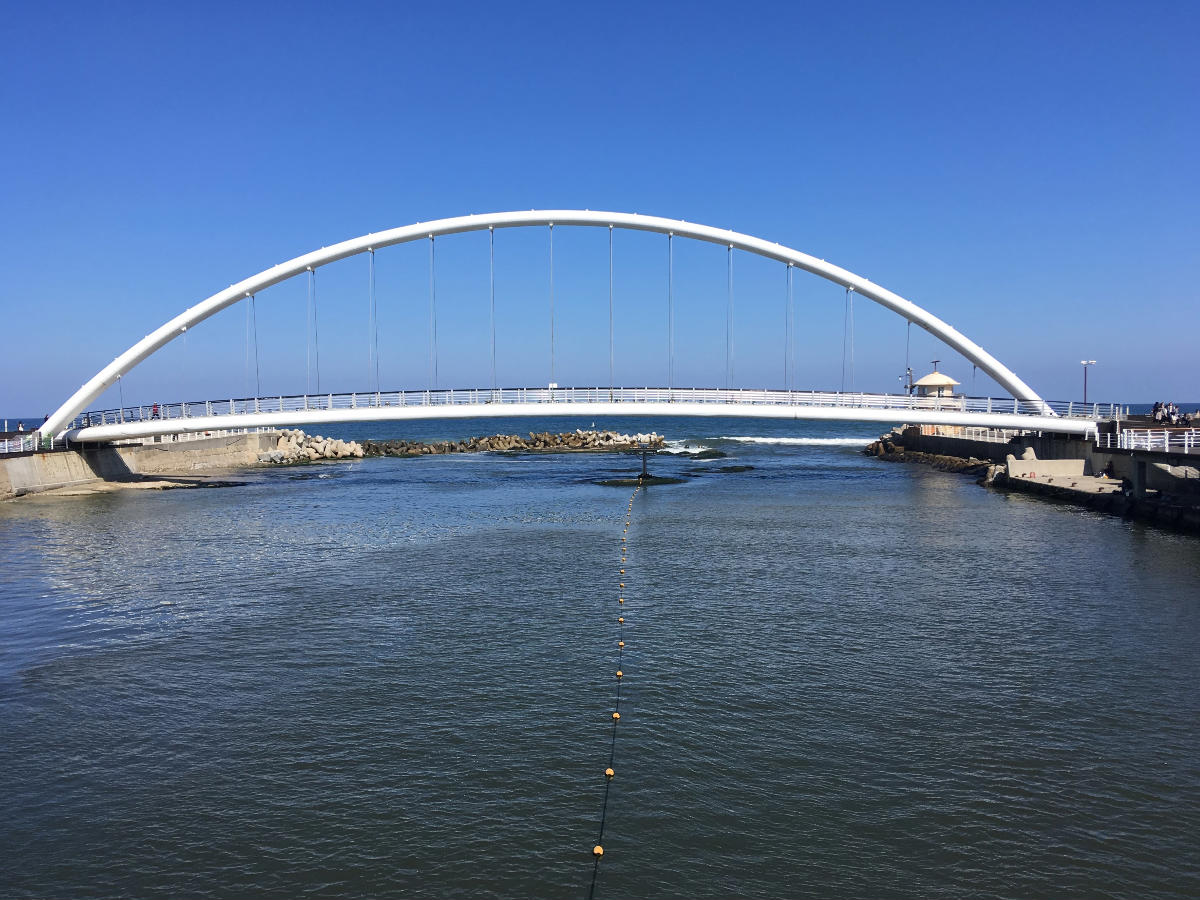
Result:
[
  {"x": 39, "y": 472},
  {"x": 1149, "y": 486}
]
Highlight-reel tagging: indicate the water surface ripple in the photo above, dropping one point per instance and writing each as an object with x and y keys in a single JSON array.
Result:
[{"x": 391, "y": 678}]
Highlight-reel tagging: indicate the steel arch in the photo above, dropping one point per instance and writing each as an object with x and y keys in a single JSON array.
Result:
[{"x": 172, "y": 329}]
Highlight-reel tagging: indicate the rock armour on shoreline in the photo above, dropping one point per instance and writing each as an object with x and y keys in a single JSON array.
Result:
[
  {"x": 578, "y": 440},
  {"x": 885, "y": 449},
  {"x": 294, "y": 446}
]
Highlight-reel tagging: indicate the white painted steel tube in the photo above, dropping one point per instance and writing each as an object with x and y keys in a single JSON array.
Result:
[
  {"x": 172, "y": 329},
  {"x": 122, "y": 431}
]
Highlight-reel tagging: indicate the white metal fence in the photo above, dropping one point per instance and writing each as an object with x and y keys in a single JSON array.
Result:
[
  {"x": 30, "y": 443},
  {"x": 502, "y": 396},
  {"x": 1165, "y": 440},
  {"x": 973, "y": 433}
]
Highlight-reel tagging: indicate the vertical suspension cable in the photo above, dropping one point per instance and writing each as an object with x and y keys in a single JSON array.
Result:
[
  {"x": 851, "y": 297},
  {"x": 729, "y": 322},
  {"x": 845, "y": 333},
  {"x": 670, "y": 311},
  {"x": 316, "y": 333},
  {"x": 610, "y": 312},
  {"x": 792, "y": 302},
  {"x": 907, "y": 364},
  {"x": 433, "y": 370},
  {"x": 375, "y": 334},
  {"x": 308, "y": 337},
  {"x": 372, "y": 326},
  {"x": 254, "y": 331},
  {"x": 787, "y": 333},
  {"x": 492, "y": 294},
  {"x": 314, "y": 358},
  {"x": 246, "y": 350},
  {"x": 370, "y": 316},
  {"x": 551, "y": 303}
]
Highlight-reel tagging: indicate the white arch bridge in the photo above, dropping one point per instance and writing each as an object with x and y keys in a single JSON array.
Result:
[{"x": 1024, "y": 409}]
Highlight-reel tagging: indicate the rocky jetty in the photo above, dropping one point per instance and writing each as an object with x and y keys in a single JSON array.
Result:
[
  {"x": 578, "y": 440},
  {"x": 886, "y": 449},
  {"x": 294, "y": 446}
]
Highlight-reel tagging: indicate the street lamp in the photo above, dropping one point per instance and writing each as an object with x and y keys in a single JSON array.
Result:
[{"x": 1085, "y": 363}]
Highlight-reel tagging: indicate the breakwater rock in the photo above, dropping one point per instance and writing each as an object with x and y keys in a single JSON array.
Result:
[
  {"x": 578, "y": 440},
  {"x": 885, "y": 449},
  {"x": 294, "y": 446}
]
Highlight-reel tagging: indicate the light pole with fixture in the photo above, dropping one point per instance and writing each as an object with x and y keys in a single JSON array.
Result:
[{"x": 1085, "y": 363}]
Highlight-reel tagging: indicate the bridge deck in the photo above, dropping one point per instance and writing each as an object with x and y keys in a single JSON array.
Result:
[{"x": 143, "y": 421}]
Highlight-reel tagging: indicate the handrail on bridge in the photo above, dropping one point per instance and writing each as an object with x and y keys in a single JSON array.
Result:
[
  {"x": 502, "y": 396},
  {"x": 1166, "y": 440}
]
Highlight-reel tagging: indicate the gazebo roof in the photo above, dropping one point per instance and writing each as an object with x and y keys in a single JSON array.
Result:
[{"x": 935, "y": 379}]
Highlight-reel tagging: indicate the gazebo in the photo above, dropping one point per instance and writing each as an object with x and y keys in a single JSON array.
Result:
[{"x": 935, "y": 384}]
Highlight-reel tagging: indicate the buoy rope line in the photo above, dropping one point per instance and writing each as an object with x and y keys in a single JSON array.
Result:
[{"x": 609, "y": 773}]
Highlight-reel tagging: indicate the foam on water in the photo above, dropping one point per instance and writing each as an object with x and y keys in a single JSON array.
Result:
[
  {"x": 684, "y": 447},
  {"x": 802, "y": 441}
]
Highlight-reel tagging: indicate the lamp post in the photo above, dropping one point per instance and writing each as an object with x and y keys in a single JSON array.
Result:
[{"x": 1085, "y": 363}]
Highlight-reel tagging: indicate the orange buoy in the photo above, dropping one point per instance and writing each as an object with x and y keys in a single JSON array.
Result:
[
  {"x": 616, "y": 716},
  {"x": 620, "y": 674},
  {"x": 609, "y": 773},
  {"x": 620, "y": 644},
  {"x": 598, "y": 850},
  {"x": 620, "y": 620}
]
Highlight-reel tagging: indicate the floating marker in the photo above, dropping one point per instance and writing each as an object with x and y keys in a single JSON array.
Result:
[{"x": 598, "y": 849}]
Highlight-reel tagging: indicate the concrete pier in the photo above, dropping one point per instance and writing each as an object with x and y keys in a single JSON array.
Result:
[
  {"x": 1153, "y": 486},
  {"x": 39, "y": 472}
]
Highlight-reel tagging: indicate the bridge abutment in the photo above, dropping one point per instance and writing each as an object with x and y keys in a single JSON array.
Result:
[{"x": 36, "y": 473}]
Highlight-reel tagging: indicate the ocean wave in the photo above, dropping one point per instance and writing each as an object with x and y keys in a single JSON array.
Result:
[
  {"x": 684, "y": 446},
  {"x": 802, "y": 442}
]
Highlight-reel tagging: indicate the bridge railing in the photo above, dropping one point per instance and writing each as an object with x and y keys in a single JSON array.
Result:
[
  {"x": 23, "y": 444},
  {"x": 33, "y": 442},
  {"x": 508, "y": 396},
  {"x": 1164, "y": 440}
]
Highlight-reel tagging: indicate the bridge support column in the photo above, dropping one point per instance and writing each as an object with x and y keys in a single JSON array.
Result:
[{"x": 1139, "y": 478}]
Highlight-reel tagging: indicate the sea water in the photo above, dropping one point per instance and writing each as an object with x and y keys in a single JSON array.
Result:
[{"x": 395, "y": 678}]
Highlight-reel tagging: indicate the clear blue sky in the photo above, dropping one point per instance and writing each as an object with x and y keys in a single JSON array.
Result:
[{"x": 1026, "y": 171}]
